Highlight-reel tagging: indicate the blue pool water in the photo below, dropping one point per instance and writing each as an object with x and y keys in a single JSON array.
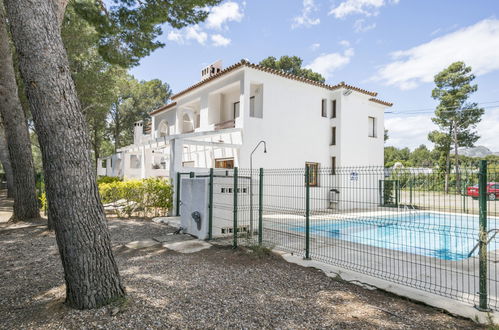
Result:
[{"x": 443, "y": 236}]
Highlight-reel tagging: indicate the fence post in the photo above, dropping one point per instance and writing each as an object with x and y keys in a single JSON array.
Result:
[
  {"x": 234, "y": 225},
  {"x": 260, "y": 208},
  {"x": 482, "y": 239},
  {"x": 177, "y": 206},
  {"x": 397, "y": 187},
  {"x": 192, "y": 175},
  {"x": 410, "y": 189},
  {"x": 210, "y": 206},
  {"x": 307, "y": 212}
]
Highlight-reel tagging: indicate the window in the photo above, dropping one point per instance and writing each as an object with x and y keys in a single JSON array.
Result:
[
  {"x": 224, "y": 163},
  {"x": 104, "y": 163},
  {"x": 188, "y": 125},
  {"x": 333, "y": 165},
  {"x": 324, "y": 108},
  {"x": 236, "y": 110},
  {"x": 333, "y": 136},
  {"x": 372, "y": 127},
  {"x": 252, "y": 107},
  {"x": 135, "y": 161},
  {"x": 158, "y": 162},
  {"x": 333, "y": 109},
  {"x": 313, "y": 172},
  {"x": 163, "y": 129}
]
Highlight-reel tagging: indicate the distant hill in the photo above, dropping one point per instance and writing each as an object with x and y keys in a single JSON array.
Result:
[{"x": 478, "y": 151}]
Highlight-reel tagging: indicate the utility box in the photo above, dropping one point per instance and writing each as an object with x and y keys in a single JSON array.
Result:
[{"x": 194, "y": 207}]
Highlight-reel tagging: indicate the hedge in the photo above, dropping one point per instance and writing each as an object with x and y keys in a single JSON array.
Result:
[{"x": 147, "y": 197}]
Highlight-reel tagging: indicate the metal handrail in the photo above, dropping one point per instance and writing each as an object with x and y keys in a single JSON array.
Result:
[{"x": 496, "y": 231}]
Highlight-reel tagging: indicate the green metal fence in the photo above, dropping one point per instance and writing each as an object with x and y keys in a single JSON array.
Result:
[{"x": 412, "y": 226}]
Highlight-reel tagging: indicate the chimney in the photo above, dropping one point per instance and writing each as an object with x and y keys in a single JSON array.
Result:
[
  {"x": 211, "y": 70},
  {"x": 138, "y": 131}
]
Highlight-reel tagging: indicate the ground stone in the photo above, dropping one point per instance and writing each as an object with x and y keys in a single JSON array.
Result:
[{"x": 191, "y": 246}]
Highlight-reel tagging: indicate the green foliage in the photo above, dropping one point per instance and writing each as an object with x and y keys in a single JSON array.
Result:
[
  {"x": 291, "y": 65},
  {"x": 43, "y": 202},
  {"x": 129, "y": 197},
  {"x": 128, "y": 30},
  {"x": 108, "y": 179},
  {"x": 394, "y": 155},
  {"x": 389, "y": 191},
  {"x": 96, "y": 80},
  {"x": 455, "y": 117},
  {"x": 134, "y": 102}
]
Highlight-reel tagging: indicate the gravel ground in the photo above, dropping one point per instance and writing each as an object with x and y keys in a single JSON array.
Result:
[{"x": 215, "y": 288}]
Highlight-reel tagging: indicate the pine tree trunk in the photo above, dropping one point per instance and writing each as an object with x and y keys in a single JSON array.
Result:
[
  {"x": 91, "y": 273},
  {"x": 16, "y": 132},
  {"x": 5, "y": 160}
]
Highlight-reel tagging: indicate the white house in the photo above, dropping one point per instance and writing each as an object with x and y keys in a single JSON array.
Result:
[{"x": 218, "y": 121}]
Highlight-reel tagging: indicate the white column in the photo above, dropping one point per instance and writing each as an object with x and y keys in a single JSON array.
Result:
[
  {"x": 176, "y": 149},
  {"x": 143, "y": 162},
  {"x": 204, "y": 109}
]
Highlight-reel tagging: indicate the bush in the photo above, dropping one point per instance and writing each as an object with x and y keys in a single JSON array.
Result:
[
  {"x": 43, "y": 202},
  {"x": 108, "y": 179},
  {"x": 149, "y": 196}
]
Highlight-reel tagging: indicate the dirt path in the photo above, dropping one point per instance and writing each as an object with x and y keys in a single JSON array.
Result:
[{"x": 214, "y": 288}]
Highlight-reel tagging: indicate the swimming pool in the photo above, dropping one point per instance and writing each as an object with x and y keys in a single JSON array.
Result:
[{"x": 438, "y": 235}]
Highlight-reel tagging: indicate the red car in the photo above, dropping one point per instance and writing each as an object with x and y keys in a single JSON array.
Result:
[{"x": 492, "y": 191}]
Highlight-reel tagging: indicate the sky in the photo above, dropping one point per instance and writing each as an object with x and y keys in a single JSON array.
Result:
[{"x": 393, "y": 47}]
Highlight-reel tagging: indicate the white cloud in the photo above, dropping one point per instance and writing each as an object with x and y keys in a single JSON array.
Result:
[
  {"x": 363, "y": 7},
  {"x": 487, "y": 129},
  {"x": 175, "y": 36},
  {"x": 409, "y": 131},
  {"x": 412, "y": 131},
  {"x": 190, "y": 33},
  {"x": 219, "y": 40},
  {"x": 306, "y": 19},
  {"x": 345, "y": 43},
  {"x": 315, "y": 46},
  {"x": 326, "y": 64},
  {"x": 226, "y": 12},
  {"x": 360, "y": 26},
  {"x": 477, "y": 45},
  {"x": 194, "y": 32}
]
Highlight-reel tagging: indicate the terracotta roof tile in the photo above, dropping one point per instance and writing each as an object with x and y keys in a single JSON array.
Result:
[
  {"x": 276, "y": 72},
  {"x": 388, "y": 104},
  {"x": 165, "y": 107}
]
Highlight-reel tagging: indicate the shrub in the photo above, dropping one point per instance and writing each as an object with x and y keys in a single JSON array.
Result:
[
  {"x": 108, "y": 179},
  {"x": 43, "y": 202},
  {"x": 149, "y": 196}
]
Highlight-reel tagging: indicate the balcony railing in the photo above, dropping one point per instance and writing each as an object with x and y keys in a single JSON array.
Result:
[{"x": 225, "y": 124}]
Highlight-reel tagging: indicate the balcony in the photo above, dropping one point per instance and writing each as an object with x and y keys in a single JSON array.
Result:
[{"x": 225, "y": 124}]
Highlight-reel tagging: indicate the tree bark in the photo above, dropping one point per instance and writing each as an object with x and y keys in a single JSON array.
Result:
[
  {"x": 91, "y": 274},
  {"x": 5, "y": 160},
  {"x": 16, "y": 132}
]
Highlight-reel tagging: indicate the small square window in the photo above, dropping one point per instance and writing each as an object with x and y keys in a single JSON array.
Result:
[
  {"x": 324, "y": 108},
  {"x": 372, "y": 127},
  {"x": 333, "y": 136},
  {"x": 333, "y": 109}
]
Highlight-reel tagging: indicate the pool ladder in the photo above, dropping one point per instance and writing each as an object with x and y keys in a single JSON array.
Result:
[
  {"x": 411, "y": 209},
  {"x": 495, "y": 231}
]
